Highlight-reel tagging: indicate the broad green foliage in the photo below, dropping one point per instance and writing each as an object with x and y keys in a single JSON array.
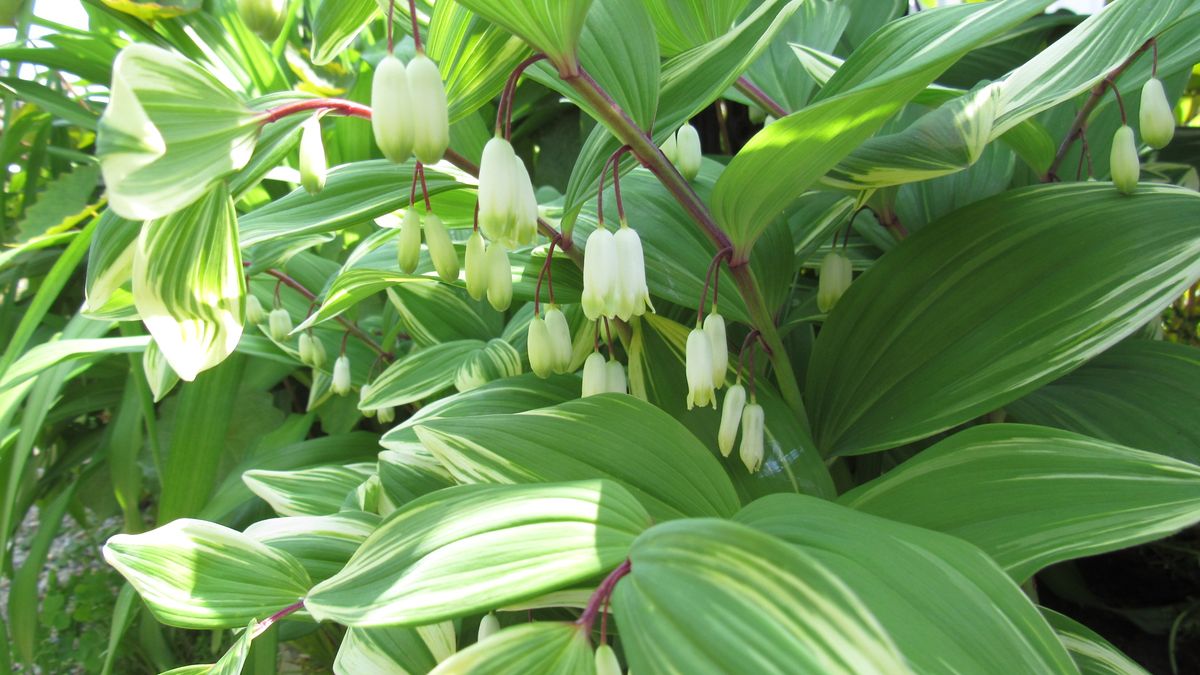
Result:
[{"x": 544, "y": 648}]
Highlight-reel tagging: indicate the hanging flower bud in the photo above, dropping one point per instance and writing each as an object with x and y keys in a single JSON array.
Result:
[
  {"x": 264, "y": 17},
  {"x": 488, "y": 626},
  {"x": 599, "y": 274},
  {"x": 363, "y": 393},
  {"x": 497, "y": 189},
  {"x": 606, "y": 661},
  {"x": 540, "y": 348},
  {"x": 699, "y": 368},
  {"x": 595, "y": 375},
  {"x": 1157, "y": 117},
  {"x": 441, "y": 249},
  {"x": 431, "y": 123},
  {"x": 836, "y": 274},
  {"x": 499, "y": 277},
  {"x": 688, "y": 143},
  {"x": 1123, "y": 162},
  {"x": 630, "y": 295},
  {"x": 560, "y": 340},
  {"x": 312, "y": 156},
  {"x": 255, "y": 314},
  {"x": 731, "y": 416},
  {"x": 341, "y": 376},
  {"x": 751, "y": 450},
  {"x": 280, "y": 324},
  {"x": 312, "y": 351},
  {"x": 408, "y": 247},
  {"x": 386, "y": 415},
  {"x": 475, "y": 261},
  {"x": 391, "y": 117},
  {"x": 670, "y": 149},
  {"x": 614, "y": 377},
  {"x": 525, "y": 205},
  {"x": 714, "y": 328}
]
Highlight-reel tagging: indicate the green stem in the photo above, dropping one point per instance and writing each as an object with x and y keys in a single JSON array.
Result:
[
  {"x": 651, "y": 157},
  {"x": 280, "y": 45}
]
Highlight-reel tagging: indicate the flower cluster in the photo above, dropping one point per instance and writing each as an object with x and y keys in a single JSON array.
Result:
[
  {"x": 437, "y": 240},
  {"x": 683, "y": 149},
  {"x": 409, "y": 111},
  {"x": 549, "y": 343},
  {"x": 1158, "y": 128},
  {"x": 614, "y": 275}
]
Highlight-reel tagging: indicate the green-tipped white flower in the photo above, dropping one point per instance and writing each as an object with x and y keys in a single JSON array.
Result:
[
  {"x": 312, "y": 351},
  {"x": 441, "y": 249},
  {"x": 431, "y": 123},
  {"x": 731, "y": 417},
  {"x": 312, "y": 156},
  {"x": 255, "y": 314},
  {"x": 540, "y": 348},
  {"x": 560, "y": 339},
  {"x": 606, "y": 661},
  {"x": 687, "y": 141},
  {"x": 488, "y": 626},
  {"x": 497, "y": 190},
  {"x": 386, "y": 415},
  {"x": 1157, "y": 117},
  {"x": 836, "y": 274},
  {"x": 341, "y": 376},
  {"x": 391, "y": 110},
  {"x": 280, "y": 324},
  {"x": 525, "y": 206},
  {"x": 595, "y": 375},
  {"x": 631, "y": 295},
  {"x": 499, "y": 277},
  {"x": 751, "y": 450},
  {"x": 264, "y": 17},
  {"x": 599, "y": 274},
  {"x": 714, "y": 328},
  {"x": 408, "y": 246},
  {"x": 363, "y": 392},
  {"x": 614, "y": 377},
  {"x": 475, "y": 261},
  {"x": 699, "y": 368},
  {"x": 1124, "y": 164},
  {"x": 670, "y": 149}
]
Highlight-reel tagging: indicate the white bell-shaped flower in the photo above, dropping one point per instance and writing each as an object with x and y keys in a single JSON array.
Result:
[
  {"x": 540, "y": 348},
  {"x": 606, "y": 661},
  {"x": 599, "y": 274},
  {"x": 525, "y": 213},
  {"x": 363, "y": 392},
  {"x": 475, "y": 262},
  {"x": 313, "y": 165},
  {"x": 264, "y": 17},
  {"x": 1156, "y": 116},
  {"x": 499, "y": 273},
  {"x": 595, "y": 375},
  {"x": 255, "y": 314},
  {"x": 687, "y": 141},
  {"x": 280, "y": 324},
  {"x": 498, "y": 193},
  {"x": 670, "y": 149},
  {"x": 836, "y": 274},
  {"x": 751, "y": 450},
  {"x": 560, "y": 339},
  {"x": 714, "y": 328},
  {"x": 488, "y": 626},
  {"x": 391, "y": 110},
  {"x": 408, "y": 246},
  {"x": 1124, "y": 164},
  {"x": 699, "y": 367},
  {"x": 614, "y": 377},
  {"x": 312, "y": 350},
  {"x": 386, "y": 415},
  {"x": 431, "y": 123},
  {"x": 441, "y": 249},
  {"x": 731, "y": 417},
  {"x": 631, "y": 295},
  {"x": 341, "y": 376}
]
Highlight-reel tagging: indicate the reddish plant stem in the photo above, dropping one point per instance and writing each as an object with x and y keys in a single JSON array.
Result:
[
  {"x": 760, "y": 97},
  {"x": 545, "y": 271},
  {"x": 277, "y": 616},
  {"x": 416, "y": 29},
  {"x": 713, "y": 270},
  {"x": 504, "y": 111},
  {"x": 358, "y": 332},
  {"x": 391, "y": 44},
  {"x": 1120, "y": 104},
  {"x": 601, "y": 595},
  {"x": 1094, "y": 98},
  {"x": 616, "y": 165},
  {"x": 420, "y": 168}
]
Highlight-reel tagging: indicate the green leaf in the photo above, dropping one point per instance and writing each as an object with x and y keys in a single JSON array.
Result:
[
  {"x": 51, "y": 101},
  {"x": 336, "y": 24},
  {"x": 1092, "y": 653},
  {"x": 474, "y": 56},
  {"x": 170, "y": 131},
  {"x": 550, "y": 27},
  {"x": 992, "y": 301},
  {"x": 188, "y": 283},
  {"x": 50, "y": 353},
  {"x": 321, "y": 544},
  {"x": 817, "y": 25},
  {"x": 1031, "y": 496},
  {"x": 948, "y": 606},
  {"x": 1140, "y": 393},
  {"x": 386, "y": 649},
  {"x": 110, "y": 259},
  {"x": 317, "y": 491},
  {"x": 475, "y": 547},
  {"x": 784, "y": 160},
  {"x": 713, "y": 596},
  {"x": 610, "y": 436},
  {"x": 684, "y": 24},
  {"x": 495, "y": 360},
  {"x": 434, "y": 313},
  {"x": 196, "y": 574},
  {"x": 538, "y": 648},
  {"x": 420, "y": 374}
]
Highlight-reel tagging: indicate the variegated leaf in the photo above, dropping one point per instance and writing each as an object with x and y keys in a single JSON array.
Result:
[
  {"x": 539, "y": 648},
  {"x": 420, "y": 374},
  {"x": 496, "y": 360},
  {"x": 318, "y": 491},
  {"x": 322, "y": 544}
]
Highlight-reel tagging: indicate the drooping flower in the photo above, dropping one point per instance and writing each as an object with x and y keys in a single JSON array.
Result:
[
  {"x": 595, "y": 375},
  {"x": 255, "y": 314},
  {"x": 441, "y": 249},
  {"x": 1124, "y": 164},
  {"x": 408, "y": 247},
  {"x": 475, "y": 261},
  {"x": 341, "y": 376},
  {"x": 631, "y": 295},
  {"x": 714, "y": 328},
  {"x": 687, "y": 141},
  {"x": 731, "y": 417},
  {"x": 751, "y": 450},
  {"x": 280, "y": 324},
  {"x": 670, "y": 149},
  {"x": 614, "y": 377},
  {"x": 363, "y": 392},
  {"x": 1157, "y": 117},
  {"x": 836, "y": 274},
  {"x": 699, "y": 369},
  {"x": 264, "y": 17},
  {"x": 386, "y": 415},
  {"x": 560, "y": 339},
  {"x": 391, "y": 110},
  {"x": 525, "y": 207},
  {"x": 606, "y": 661},
  {"x": 599, "y": 274},
  {"x": 431, "y": 123},
  {"x": 497, "y": 189},
  {"x": 540, "y": 348},
  {"x": 312, "y": 156},
  {"x": 499, "y": 273},
  {"x": 312, "y": 351},
  {"x": 488, "y": 626}
]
